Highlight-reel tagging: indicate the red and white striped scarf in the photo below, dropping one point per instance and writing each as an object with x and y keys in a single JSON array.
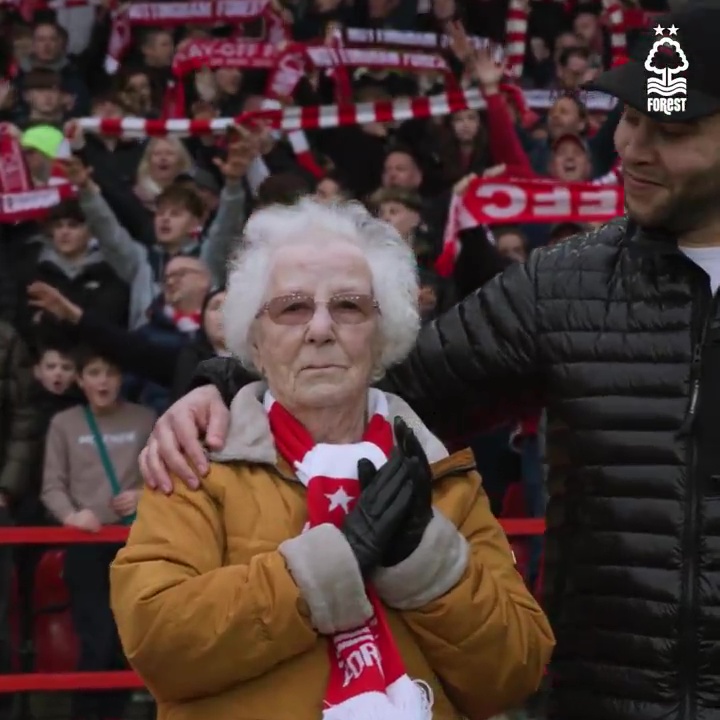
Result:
[
  {"x": 516, "y": 28},
  {"x": 367, "y": 678},
  {"x": 186, "y": 322},
  {"x": 615, "y": 18}
]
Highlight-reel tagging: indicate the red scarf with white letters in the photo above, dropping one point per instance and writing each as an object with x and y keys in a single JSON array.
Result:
[
  {"x": 367, "y": 677},
  {"x": 490, "y": 201}
]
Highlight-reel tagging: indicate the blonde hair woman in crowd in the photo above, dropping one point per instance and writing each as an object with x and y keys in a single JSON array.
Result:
[{"x": 163, "y": 160}]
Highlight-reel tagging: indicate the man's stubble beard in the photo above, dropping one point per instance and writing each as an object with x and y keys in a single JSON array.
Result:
[{"x": 695, "y": 206}]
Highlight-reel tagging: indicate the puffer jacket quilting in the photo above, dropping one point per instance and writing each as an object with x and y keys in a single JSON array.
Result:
[{"x": 603, "y": 326}]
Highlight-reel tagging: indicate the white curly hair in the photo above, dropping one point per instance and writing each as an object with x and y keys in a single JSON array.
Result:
[{"x": 392, "y": 266}]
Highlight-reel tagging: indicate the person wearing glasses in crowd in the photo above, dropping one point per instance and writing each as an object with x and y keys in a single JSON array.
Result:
[{"x": 337, "y": 561}]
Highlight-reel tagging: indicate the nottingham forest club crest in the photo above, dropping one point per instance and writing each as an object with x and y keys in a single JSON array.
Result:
[{"x": 666, "y": 61}]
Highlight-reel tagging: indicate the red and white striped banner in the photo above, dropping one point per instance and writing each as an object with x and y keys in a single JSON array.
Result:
[
  {"x": 615, "y": 17},
  {"x": 325, "y": 116},
  {"x": 516, "y": 26}
]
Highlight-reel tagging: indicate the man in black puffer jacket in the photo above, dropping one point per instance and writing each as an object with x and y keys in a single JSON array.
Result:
[{"x": 617, "y": 333}]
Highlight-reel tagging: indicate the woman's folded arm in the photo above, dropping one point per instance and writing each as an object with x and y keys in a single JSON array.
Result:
[
  {"x": 182, "y": 615},
  {"x": 485, "y": 637}
]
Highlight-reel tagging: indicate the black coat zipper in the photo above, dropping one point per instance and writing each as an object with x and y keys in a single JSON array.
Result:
[{"x": 687, "y": 636}]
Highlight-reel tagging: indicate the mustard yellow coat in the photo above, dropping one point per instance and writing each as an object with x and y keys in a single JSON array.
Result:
[{"x": 215, "y": 623}]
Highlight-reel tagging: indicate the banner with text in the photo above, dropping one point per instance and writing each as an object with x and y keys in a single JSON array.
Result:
[{"x": 490, "y": 202}]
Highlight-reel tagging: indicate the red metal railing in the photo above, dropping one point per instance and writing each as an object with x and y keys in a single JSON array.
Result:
[{"x": 51, "y": 682}]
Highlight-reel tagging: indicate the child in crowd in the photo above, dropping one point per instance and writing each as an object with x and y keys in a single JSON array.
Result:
[
  {"x": 43, "y": 95},
  {"x": 55, "y": 370},
  {"x": 401, "y": 208},
  {"x": 70, "y": 260},
  {"x": 146, "y": 355},
  {"x": 55, "y": 391},
  {"x": 76, "y": 486},
  {"x": 177, "y": 218},
  {"x": 91, "y": 478},
  {"x": 179, "y": 213}
]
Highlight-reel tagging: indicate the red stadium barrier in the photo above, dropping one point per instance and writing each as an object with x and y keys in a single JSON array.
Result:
[
  {"x": 118, "y": 533},
  {"x": 69, "y": 681}
]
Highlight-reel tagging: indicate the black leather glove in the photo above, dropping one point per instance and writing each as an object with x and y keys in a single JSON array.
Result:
[
  {"x": 420, "y": 513},
  {"x": 385, "y": 496}
]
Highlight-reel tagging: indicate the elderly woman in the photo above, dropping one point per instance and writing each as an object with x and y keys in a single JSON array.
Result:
[{"x": 336, "y": 562}]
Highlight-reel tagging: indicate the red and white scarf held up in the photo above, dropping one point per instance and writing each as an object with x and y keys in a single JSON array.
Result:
[{"x": 367, "y": 678}]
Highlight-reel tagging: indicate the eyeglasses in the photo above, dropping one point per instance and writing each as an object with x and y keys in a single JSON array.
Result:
[
  {"x": 298, "y": 309},
  {"x": 179, "y": 274}
]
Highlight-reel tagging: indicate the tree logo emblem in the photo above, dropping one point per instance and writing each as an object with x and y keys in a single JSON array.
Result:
[{"x": 666, "y": 60}]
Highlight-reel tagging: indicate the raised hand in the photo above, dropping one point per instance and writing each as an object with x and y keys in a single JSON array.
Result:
[
  {"x": 48, "y": 299},
  {"x": 243, "y": 148},
  {"x": 487, "y": 69},
  {"x": 483, "y": 64}
]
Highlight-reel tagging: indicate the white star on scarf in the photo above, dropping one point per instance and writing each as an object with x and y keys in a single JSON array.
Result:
[{"x": 339, "y": 499}]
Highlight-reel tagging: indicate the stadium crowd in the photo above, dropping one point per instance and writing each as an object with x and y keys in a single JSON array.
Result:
[{"x": 111, "y": 291}]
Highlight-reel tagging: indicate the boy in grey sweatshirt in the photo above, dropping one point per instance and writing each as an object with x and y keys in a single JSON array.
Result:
[
  {"x": 84, "y": 490},
  {"x": 176, "y": 220}
]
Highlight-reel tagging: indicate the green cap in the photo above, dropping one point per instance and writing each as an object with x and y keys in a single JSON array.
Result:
[{"x": 45, "y": 139}]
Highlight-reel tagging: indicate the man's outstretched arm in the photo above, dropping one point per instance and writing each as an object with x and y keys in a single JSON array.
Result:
[{"x": 481, "y": 350}]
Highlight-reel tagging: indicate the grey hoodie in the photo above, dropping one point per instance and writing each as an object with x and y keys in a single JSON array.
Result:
[
  {"x": 130, "y": 259},
  {"x": 72, "y": 268}
]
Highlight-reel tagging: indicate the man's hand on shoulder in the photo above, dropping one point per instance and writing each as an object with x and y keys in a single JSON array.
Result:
[{"x": 175, "y": 446}]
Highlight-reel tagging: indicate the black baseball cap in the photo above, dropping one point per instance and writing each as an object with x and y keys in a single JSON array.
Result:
[{"x": 685, "y": 41}]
